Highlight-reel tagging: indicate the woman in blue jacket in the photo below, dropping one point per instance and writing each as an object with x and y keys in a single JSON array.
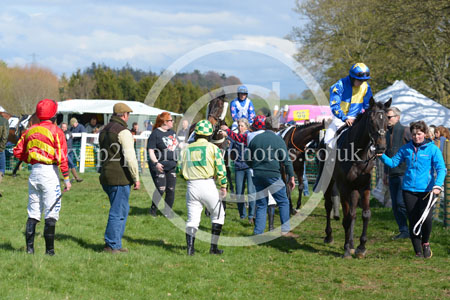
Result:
[{"x": 423, "y": 160}]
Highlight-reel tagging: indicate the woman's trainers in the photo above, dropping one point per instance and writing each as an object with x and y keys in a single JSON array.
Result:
[{"x": 427, "y": 253}]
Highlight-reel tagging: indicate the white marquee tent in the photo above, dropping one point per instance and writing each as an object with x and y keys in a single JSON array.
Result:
[
  {"x": 105, "y": 107},
  {"x": 414, "y": 106},
  {"x": 81, "y": 106}
]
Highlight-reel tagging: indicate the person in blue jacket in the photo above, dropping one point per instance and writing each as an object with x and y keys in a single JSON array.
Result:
[
  {"x": 423, "y": 160},
  {"x": 348, "y": 97},
  {"x": 241, "y": 107}
]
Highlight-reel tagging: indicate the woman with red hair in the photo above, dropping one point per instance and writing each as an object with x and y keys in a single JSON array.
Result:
[{"x": 161, "y": 146}]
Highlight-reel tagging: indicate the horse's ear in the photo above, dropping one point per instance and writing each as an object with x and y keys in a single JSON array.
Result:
[
  {"x": 371, "y": 102},
  {"x": 388, "y": 103}
]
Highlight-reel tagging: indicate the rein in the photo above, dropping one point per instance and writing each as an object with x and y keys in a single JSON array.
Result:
[{"x": 292, "y": 141}]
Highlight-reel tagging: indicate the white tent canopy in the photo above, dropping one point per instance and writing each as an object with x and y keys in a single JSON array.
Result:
[
  {"x": 414, "y": 106},
  {"x": 81, "y": 106}
]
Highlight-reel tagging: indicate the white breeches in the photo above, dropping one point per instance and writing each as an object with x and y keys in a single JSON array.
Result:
[
  {"x": 203, "y": 192},
  {"x": 43, "y": 192}
]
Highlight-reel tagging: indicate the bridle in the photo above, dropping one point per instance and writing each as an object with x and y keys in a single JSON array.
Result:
[{"x": 372, "y": 144}]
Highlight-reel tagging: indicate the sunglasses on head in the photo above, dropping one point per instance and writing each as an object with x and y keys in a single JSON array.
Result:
[{"x": 390, "y": 117}]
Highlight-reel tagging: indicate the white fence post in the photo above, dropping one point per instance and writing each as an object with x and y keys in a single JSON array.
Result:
[{"x": 83, "y": 151}]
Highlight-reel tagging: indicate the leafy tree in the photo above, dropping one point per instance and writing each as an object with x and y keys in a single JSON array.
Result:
[{"x": 405, "y": 39}]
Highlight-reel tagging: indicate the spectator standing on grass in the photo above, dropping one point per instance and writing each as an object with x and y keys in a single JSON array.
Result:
[
  {"x": 200, "y": 163},
  {"x": 4, "y": 131},
  {"x": 119, "y": 170},
  {"x": 75, "y": 127},
  {"x": 423, "y": 159},
  {"x": 267, "y": 152},
  {"x": 243, "y": 174},
  {"x": 161, "y": 147},
  {"x": 396, "y": 137},
  {"x": 44, "y": 146},
  {"x": 70, "y": 154}
]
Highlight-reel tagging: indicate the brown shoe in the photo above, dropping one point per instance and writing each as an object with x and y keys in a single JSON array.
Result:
[
  {"x": 290, "y": 234},
  {"x": 115, "y": 251}
]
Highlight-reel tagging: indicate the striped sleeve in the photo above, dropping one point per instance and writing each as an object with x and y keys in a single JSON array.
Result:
[
  {"x": 61, "y": 153},
  {"x": 221, "y": 170}
]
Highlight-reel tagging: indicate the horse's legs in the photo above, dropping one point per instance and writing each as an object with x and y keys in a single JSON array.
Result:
[
  {"x": 349, "y": 211},
  {"x": 300, "y": 194},
  {"x": 354, "y": 196},
  {"x": 336, "y": 202},
  {"x": 328, "y": 206},
  {"x": 361, "y": 250}
]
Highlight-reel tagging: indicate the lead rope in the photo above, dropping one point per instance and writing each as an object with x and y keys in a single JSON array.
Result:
[{"x": 431, "y": 201}]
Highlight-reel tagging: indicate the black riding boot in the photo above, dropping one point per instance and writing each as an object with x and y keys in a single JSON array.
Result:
[
  {"x": 49, "y": 235},
  {"x": 271, "y": 213},
  {"x": 215, "y": 233},
  {"x": 190, "y": 240},
  {"x": 29, "y": 234}
]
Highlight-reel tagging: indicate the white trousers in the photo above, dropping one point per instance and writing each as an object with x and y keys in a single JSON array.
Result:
[
  {"x": 43, "y": 192},
  {"x": 331, "y": 130},
  {"x": 203, "y": 192}
]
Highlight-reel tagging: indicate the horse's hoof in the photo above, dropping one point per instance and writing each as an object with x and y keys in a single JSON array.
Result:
[
  {"x": 360, "y": 253},
  {"x": 328, "y": 240},
  {"x": 336, "y": 218},
  {"x": 347, "y": 255},
  {"x": 352, "y": 251}
]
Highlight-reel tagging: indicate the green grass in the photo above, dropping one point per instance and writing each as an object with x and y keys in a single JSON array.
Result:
[{"x": 157, "y": 266}]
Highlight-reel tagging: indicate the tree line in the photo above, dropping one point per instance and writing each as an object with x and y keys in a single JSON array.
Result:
[
  {"x": 403, "y": 39},
  {"x": 22, "y": 87}
]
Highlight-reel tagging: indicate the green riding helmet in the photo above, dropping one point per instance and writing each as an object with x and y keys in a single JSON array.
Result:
[{"x": 204, "y": 127}]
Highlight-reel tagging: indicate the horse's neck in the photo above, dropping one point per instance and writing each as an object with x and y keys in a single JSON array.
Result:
[
  {"x": 359, "y": 134},
  {"x": 307, "y": 135}
]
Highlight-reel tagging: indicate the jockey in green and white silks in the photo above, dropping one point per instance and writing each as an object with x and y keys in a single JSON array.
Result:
[{"x": 348, "y": 98}]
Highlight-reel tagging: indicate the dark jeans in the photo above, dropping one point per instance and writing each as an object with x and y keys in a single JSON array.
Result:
[
  {"x": 118, "y": 213},
  {"x": 165, "y": 183},
  {"x": 2, "y": 162},
  {"x": 241, "y": 176},
  {"x": 398, "y": 205},
  {"x": 70, "y": 160},
  {"x": 415, "y": 205},
  {"x": 277, "y": 188}
]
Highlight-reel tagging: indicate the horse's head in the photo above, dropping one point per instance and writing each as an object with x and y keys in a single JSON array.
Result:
[
  {"x": 217, "y": 108},
  {"x": 378, "y": 123},
  {"x": 219, "y": 137}
]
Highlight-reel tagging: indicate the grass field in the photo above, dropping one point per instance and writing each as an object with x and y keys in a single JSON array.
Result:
[{"x": 157, "y": 266}]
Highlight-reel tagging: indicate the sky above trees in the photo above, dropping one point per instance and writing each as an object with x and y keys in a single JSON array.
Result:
[{"x": 150, "y": 35}]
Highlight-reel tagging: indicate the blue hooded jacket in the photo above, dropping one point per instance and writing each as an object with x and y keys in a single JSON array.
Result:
[{"x": 421, "y": 164}]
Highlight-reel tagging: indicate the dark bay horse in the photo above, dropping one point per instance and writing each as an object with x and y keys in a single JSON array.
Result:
[
  {"x": 215, "y": 112},
  {"x": 297, "y": 138},
  {"x": 356, "y": 151}
]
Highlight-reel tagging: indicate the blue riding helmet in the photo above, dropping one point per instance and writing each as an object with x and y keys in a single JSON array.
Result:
[
  {"x": 242, "y": 90},
  {"x": 360, "y": 71}
]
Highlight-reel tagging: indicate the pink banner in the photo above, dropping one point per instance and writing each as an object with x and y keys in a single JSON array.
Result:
[{"x": 313, "y": 113}]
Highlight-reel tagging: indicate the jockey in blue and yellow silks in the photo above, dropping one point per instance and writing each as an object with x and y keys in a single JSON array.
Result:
[{"x": 348, "y": 97}]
